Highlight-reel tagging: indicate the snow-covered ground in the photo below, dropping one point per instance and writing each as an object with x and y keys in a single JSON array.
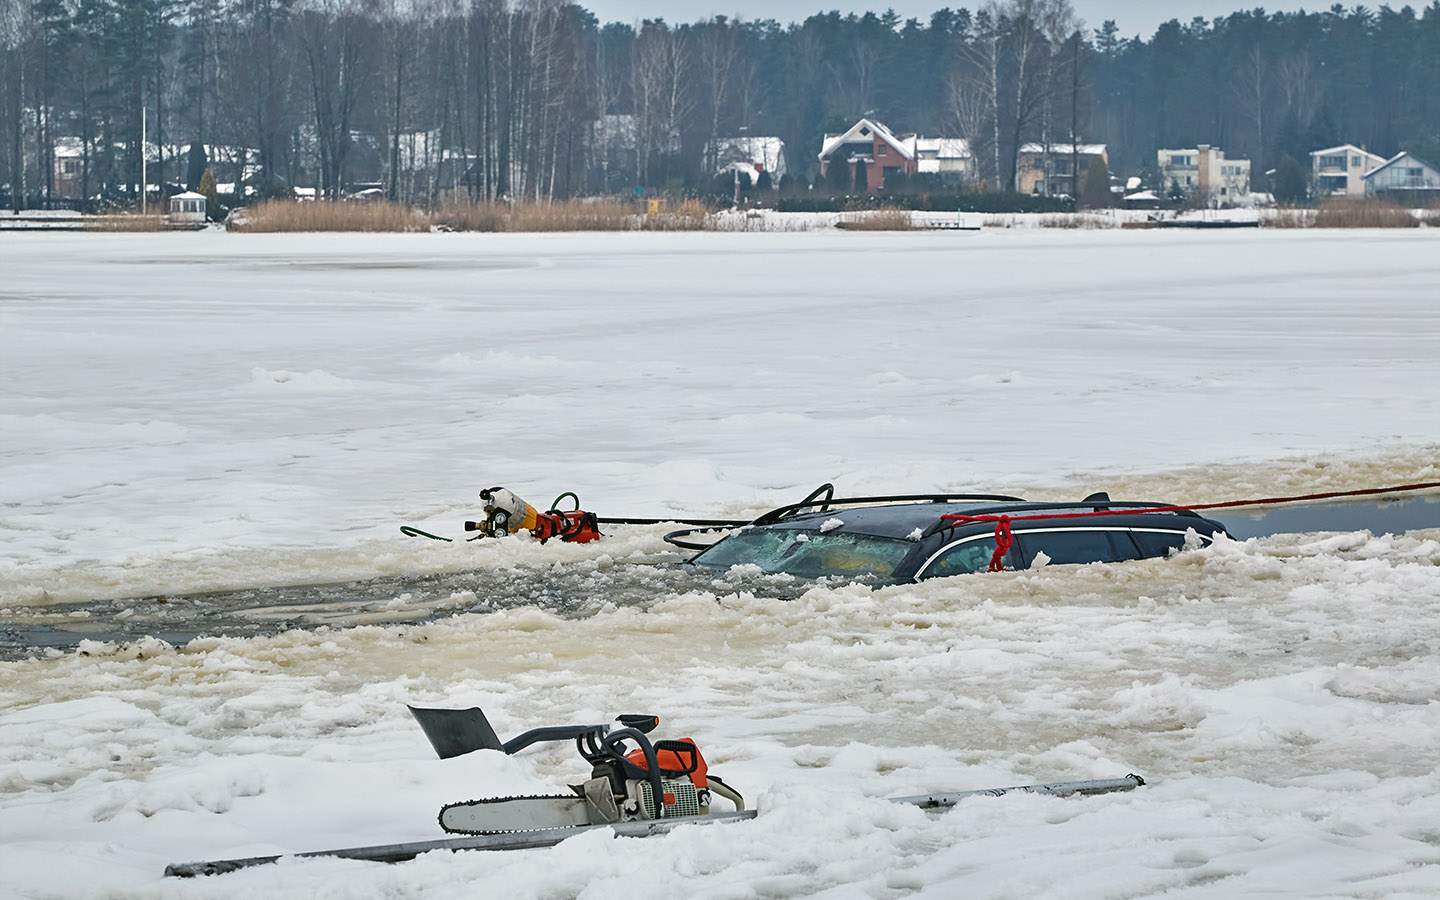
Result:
[{"x": 206, "y": 411}]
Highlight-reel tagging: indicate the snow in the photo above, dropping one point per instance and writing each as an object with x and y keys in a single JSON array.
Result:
[{"x": 202, "y": 411}]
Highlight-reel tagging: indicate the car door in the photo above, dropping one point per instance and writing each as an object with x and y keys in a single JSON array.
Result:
[{"x": 1075, "y": 545}]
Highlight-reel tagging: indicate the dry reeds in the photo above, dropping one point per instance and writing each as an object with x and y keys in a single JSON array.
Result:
[
  {"x": 877, "y": 220},
  {"x": 1076, "y": 220},
  {"x": 325, "y": 215},
  {"x": 125, "y": 222},
  {"x": 1344, "y": 213},
  {"x": 1288, "y": 218},
  {"x": 1368, "y": 213}
]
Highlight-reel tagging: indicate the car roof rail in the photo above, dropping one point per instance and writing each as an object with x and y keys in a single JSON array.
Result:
[
  {"x": 1037, "y": 510},
  {"x": 823, "y": 497}
]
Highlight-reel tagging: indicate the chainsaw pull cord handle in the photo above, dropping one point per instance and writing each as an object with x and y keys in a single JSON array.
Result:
[{"x": 652, "y": 764}]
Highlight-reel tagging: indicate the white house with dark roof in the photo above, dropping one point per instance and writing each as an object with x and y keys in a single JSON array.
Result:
[
  {"x": 884, "y": 153},
  {"x": 1340, "y": 171},
  {"x": 1402, "y": 172}
]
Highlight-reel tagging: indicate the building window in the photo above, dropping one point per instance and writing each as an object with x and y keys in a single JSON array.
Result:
[
  {"x": 1224, "y": 191},
  {"x": 1354, "y": 162},
  {"x": 882, "y": 150},
  {"x": 1415, "y": 171},
  {"x": 1332, "y": 162},
  {"x": 1187, "y": 179}
]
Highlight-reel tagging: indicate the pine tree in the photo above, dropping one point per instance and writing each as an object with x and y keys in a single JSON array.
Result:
[
  {"x": 1289, "y": 183},
  {"x": 212, "y": 196},
  {"x": 199, "y": 167},
  {"x": 1095, "y": 189}
]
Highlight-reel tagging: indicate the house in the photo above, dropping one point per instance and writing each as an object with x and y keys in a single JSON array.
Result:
[
  {"x": 750, "y": 155},
  {"x": 69, "y": 168},
  {"x": 1340, "y": 171},
  {"x": 1049, "y": 168},
  {"x": 869, "y": 147},
  {"x": 1205, "y": 173},
  {"x": 1403, "y": 173},
  {"x": 186, "y": 208},
  {"x": 950, "y": 158}
]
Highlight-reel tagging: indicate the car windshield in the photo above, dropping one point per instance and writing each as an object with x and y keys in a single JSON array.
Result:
[{"x": 808, "y": 554}]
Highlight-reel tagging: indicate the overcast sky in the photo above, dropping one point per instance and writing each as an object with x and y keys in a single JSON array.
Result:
[{"x": 1133, "y": 16}]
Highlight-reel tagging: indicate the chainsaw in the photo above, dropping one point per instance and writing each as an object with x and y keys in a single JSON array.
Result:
[
  {"x": 657, "y": 780},
  {"x": 636, "y": 792}
]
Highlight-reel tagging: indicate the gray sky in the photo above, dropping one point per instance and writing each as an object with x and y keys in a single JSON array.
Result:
[{"x": 1133, "y": 16}]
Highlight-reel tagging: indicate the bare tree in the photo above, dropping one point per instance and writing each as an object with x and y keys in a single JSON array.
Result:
[
  {"x": 336, "y": 39},
  {"x": 1301, "y": 86},
  {"x": 1250, "y": 80},
  {"x": 984, "y": 78},
  {"x": 718, "y": 50},
  {"x": 661, "y": 98}
]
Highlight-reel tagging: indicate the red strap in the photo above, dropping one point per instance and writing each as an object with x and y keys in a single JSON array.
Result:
[{"x": 1003, "y": 540}]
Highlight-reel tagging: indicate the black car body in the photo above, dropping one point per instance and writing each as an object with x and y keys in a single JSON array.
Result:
[{"x": 915, "y": 537}]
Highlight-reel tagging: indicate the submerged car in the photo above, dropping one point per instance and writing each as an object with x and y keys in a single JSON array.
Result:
[{"x": 914, "y": 537}]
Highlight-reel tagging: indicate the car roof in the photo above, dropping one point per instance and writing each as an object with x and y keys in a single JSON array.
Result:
[{"x": 900, "y": 520}]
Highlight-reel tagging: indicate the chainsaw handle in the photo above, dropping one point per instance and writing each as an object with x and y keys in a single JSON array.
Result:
[
  {"x": 608, "y": 744},
  {"x": 680, "y": 747},
  {"x": 551, "y": 733},
  {"x": 645, "y": 724}
]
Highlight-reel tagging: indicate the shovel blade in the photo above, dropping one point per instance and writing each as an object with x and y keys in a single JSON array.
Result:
[{"x": 453, "y": 732}]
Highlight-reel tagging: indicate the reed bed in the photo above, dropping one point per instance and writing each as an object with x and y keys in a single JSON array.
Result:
[
  {"x": 1342, "y": 213},
  {"x": 1364, "y": 214},
  {"x": 878, "y": 220},
  {"x": 325, "y": 215},
  {"x": 125, "y": 222},
  {"x": 1078, "y": 221},
  {"x": 565, "y": 216}
]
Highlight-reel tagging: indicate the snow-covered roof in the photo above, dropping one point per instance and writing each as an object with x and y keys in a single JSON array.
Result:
[
  {"x": 861, "y": 131},
  {"x": 1402, "y": 155},
  {"x": 943, "y": 148},
  {"x": 1330, "y": 151},
  {"x": 187, "y": 195},
  {"x": 752, "y": 146},
  {"x": 1064, "y": 147}
]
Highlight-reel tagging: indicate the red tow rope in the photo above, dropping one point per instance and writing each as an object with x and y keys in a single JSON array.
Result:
[{"x": 1004, "y": 538}]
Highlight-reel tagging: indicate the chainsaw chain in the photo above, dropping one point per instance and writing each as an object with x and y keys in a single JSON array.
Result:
[{"x": 449, "y": 806}]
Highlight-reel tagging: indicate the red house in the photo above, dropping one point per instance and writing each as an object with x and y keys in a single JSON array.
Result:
[{"x": 880, "y": 153}]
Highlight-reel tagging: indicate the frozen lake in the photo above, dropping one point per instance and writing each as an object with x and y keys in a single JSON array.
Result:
[{"x": 210, "y": 412}]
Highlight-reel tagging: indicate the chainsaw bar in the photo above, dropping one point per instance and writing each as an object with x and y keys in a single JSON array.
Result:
[{"x": 504, "y": 815}]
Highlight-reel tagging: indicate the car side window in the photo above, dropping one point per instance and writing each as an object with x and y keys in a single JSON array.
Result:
[
  {"x": 1159, "y": 543},
  {"x": 966, "y": 557},
  {"x": 1078, "y": 547}
]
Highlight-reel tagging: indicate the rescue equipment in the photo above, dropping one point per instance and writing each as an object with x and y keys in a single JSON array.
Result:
[{"x": 506, "y": 513}]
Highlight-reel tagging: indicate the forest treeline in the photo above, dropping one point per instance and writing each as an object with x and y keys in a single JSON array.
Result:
[{"x": 537, "y": 98}]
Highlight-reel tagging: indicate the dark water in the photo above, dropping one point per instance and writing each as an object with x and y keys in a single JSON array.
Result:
[
  {"x": 1377, "y": 517},
  {"x": 574, "y": 590}
]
